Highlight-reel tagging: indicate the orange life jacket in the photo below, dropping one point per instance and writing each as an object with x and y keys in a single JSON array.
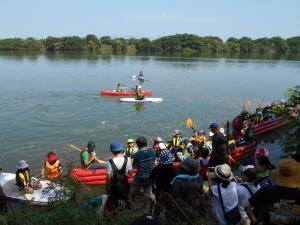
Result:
[{"x": 53, "y": 171}]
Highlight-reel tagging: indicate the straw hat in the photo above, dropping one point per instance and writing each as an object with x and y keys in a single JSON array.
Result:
[
  {"x": 224, "y": 172},
  {"x": 287, "y": 174}
]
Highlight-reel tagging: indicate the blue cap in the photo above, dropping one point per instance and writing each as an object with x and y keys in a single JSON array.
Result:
[
  {"x": 116, "y": 146},
  {"x": 213, "y": 125}
]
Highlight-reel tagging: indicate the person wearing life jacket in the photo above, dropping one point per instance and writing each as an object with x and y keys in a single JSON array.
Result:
[
  {"x": 176, "y": 139},
  {"x": 52, "y": 167},
  {"x": 88, "y": 157},
  {"x": 187, "y": 147},
  {"x": 258, "y": 117},
  {"x": 138, "y": 93},
  {"x": 247, "y": 134},
  {"x": 23, "y": 177},
  {"x": 131, "y": 148}
]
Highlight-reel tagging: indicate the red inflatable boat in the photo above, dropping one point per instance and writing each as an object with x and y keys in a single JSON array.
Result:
[
  {"x": 243, "y": 151},
  {"x": 269, "y": 125},
  {"x": 124, "y": 93}
]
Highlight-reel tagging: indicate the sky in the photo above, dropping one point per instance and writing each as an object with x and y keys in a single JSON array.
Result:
[{"x": 151, "y": 19}]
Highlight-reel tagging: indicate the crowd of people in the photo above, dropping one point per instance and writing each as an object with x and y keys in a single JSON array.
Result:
[{"x": 262, "y": 193}]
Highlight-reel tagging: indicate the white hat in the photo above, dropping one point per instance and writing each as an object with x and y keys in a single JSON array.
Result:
[
  {"x": 244, "y": 168},
  {"x": 224, "y": 172},
  {"x": 162, "y": 146}
]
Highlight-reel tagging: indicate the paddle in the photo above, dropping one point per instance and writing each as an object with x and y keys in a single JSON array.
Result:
[
  {"x": 78, "y": 149},
  {"x": 189, "y": 124}
]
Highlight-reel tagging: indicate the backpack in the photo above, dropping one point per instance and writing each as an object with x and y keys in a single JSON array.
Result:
[
  {"x": 233, "y": 216},
  {"x": 119, "y": 186}
]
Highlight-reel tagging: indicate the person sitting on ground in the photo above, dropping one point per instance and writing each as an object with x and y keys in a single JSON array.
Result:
[
  {"x": 247, "y": 134},
  {"x": 23, "y": 177},
  {"x": 138, "y": 93},
  {"x": 143, "y": 161},
  {"x": 225, "y": 196},
  {"x": 163, "y": 173},
  {"x": 88, "y": 157},
  {"x": 218, "y": 154},
  {"x": 131, "y": 148},
  {"x": 246, "y": 190},
  {"x": 176, "y": 139},
  {"x": 280, "y": 203},
  {"x": 263, "y": 172},
  {"x": 188, "y": 184},
  {"x": 117, "y": 170},
  {"x": 52, "y": 168}
]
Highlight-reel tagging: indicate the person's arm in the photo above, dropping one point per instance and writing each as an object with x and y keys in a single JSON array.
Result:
[
  {"x": 43, "y": 171},
  {"x": 60, "y": 169},
  {"x": 108, "y": 177},
  {"x": 86, "y": 160},
  {"x": 99, "y": 161}
]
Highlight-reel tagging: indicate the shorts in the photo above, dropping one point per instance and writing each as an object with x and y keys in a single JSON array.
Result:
[{"x": 144, "y": 183}]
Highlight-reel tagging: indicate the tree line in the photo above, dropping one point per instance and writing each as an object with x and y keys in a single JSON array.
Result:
[{"x": 180, "y": 43}]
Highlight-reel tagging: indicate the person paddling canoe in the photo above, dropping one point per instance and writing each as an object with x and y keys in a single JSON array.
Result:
[
  {"x": 88, "y": 157},
  {"x": 138, "y": 93}
]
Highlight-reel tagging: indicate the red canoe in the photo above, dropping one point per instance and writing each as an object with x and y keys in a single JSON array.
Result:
[
  {"x": 269, "y": 125},
  {"x": 124, "y": 93}
]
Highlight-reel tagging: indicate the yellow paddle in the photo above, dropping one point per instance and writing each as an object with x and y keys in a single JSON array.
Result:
[{"x": 189, "y": 124}]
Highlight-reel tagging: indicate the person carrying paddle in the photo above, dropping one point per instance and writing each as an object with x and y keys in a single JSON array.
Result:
[
  {"x": 138, "y": 93},
  {"x": 88, "y": 157},
  {"x": 52, "y": 167}
]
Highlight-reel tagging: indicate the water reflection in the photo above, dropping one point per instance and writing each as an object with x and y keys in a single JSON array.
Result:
[{"x": 139, "y": 107}]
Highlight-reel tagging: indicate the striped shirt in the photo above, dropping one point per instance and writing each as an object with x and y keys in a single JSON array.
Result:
[{"x": 144, "y": 162}]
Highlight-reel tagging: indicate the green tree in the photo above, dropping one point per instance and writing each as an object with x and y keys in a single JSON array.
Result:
[
  {"x": 294, "y": 43},
  {"x": 33, "y": 44},
  {"x": 92, "y": 42},
  {"x": 247, "y": 45},
  {"x": 279, "y": 45},
  {"x": 73, "y": 43},
  {"x": 119, "y": 45},
  {"x": 106, "y": 40},
  {"x": 143, "y": 45}
]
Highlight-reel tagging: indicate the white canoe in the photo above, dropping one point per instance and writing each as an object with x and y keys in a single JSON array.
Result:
[
  {"x": 49, "y": 191},
  {"x": 156, "y": 100}
]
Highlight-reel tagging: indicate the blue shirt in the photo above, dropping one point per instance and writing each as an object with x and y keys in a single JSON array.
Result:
[{"x": 143, "y": 160}]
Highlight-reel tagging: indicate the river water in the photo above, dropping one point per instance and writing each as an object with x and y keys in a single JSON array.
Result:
[{"x": 50, "y": 101}]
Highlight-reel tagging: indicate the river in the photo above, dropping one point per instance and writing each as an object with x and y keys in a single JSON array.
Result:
[{"x": 48, "y": 101}]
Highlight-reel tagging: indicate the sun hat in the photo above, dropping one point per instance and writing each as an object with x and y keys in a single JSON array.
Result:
[
  {"x": 116, "y": 146},
  {"x": 162, "y": 146},
  {"x": 165, "y": 157},
  {"x": 177, "y": 131},
  {"x": 224, "y": 172},
  {"x": 130, "y": 140},
  {"x": 22, "y": 164},
  {"x": 261, "y": 151},
  {"x": 213, "y": 125},
  {"x": 190, "y": 165},
  {"x": 287, "y": 174},
  {"x": 52, "y": 157},
  {"x": 158, "y": 139}
]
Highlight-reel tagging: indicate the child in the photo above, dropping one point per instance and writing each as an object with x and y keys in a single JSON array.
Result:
[{"x": 204, "y": 159}]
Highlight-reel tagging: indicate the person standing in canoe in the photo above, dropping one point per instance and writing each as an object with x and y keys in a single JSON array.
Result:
[
  {"x": 138, "y": 93},
  {"x": 88, "y": 157},
  {"x": 52, "y": 168}
]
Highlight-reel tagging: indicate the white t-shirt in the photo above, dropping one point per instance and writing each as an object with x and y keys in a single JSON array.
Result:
[
  {"x": 230, "y": 200},
  {"x": 119, "y": 161},
  {"x": 244, "y": 195}
]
